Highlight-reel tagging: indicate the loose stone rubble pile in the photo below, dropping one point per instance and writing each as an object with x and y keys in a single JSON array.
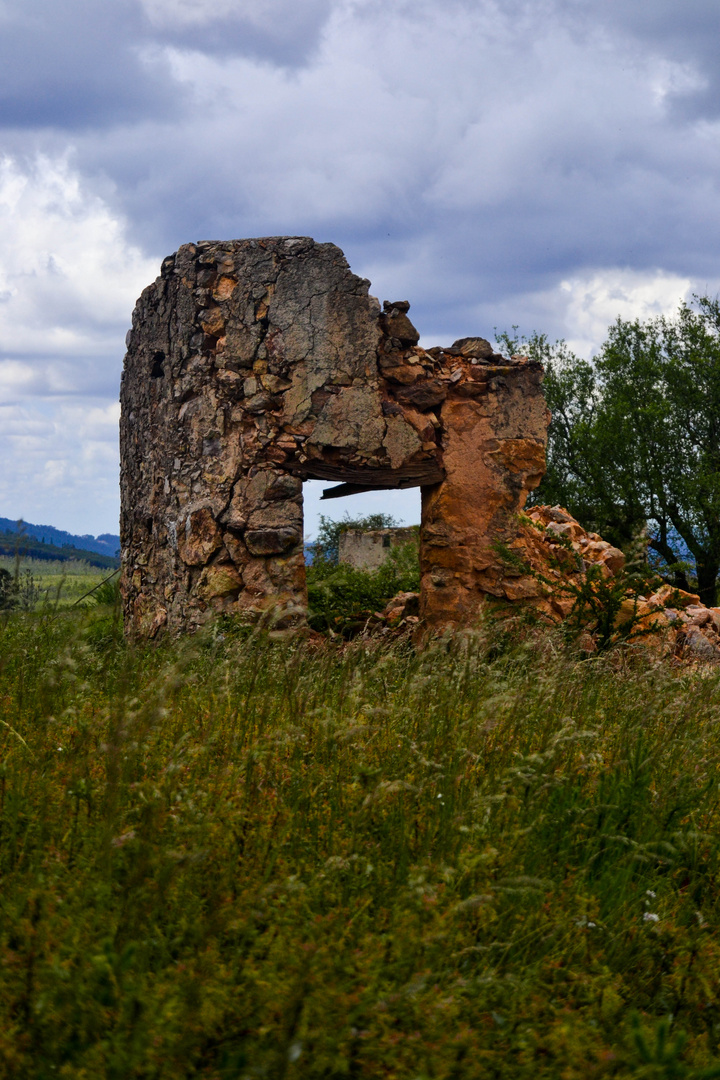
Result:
[
  {"x": 554, "y": 551},
  {"x": 551, "y": 553},
  {"x": 255, "y": 364}
]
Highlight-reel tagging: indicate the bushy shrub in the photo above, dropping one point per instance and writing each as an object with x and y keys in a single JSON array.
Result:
[
  {"x": 6, "y": 590},
  {"x": 342, "y": 598},
  {"x": 18, "y": 591},
  {"x": 107, "y": 593}
]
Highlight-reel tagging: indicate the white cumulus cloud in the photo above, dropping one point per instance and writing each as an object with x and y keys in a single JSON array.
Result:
[
  {"x": 69, "y": 279},
  {"x": 596, "y": 300},
  {"x": 68, "y": 276}
]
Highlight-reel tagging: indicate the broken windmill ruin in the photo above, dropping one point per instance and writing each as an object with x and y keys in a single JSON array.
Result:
[{"x": 253, "y": 365}]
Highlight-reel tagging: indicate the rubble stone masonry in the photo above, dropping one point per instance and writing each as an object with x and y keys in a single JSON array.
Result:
[{"x": 255, "y": 364}]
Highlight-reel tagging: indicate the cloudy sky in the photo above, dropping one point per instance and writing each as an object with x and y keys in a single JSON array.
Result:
[{"x": 546, "y": 163}]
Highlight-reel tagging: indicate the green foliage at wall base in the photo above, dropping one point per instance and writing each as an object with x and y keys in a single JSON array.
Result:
[{"x": 342, "y": 598}]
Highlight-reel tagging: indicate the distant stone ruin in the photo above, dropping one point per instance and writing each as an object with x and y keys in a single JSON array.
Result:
[
  {"x": 253, "y": 365},
  {"x": 368, "y": 549}
]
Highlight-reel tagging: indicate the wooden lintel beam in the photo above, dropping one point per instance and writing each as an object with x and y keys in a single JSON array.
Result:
[
  {"x": 340, "y": 490},
  {"x": 368, "y": 479}
]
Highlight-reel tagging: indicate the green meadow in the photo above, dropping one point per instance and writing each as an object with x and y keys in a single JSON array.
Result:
[
  {"x": 54, "y": 582},
  {"x": 238, "y": 857}
]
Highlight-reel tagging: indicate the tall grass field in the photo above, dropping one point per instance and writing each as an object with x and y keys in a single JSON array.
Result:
[{"x": 233, "y": 857}]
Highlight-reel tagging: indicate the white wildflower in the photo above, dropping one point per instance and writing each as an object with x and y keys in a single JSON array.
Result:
[
  {"x": 120, "y": 841},
  {"x": 650, "y": 916}
]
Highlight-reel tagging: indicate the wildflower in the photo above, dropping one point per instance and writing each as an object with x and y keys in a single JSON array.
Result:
[
  {"x": 650, "y": 916},
  {"x": 649, "y": 892}
]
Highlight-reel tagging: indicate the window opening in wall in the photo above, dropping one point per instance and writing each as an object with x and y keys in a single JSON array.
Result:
[
  {"x": 362, "y": 558},
  {"x": 364, "y": 512}
]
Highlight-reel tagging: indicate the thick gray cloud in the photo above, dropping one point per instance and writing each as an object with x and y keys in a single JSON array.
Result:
[
  {"x": 69, "y": 64},
  {"x": 687, "y": 34},
  {"x": 274, "y": 30},
  {"x": 550, "y": 164},
  {"x": 73, "y": 64}
]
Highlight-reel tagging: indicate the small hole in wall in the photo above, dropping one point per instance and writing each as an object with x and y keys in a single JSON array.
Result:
[{"x": 157, "y": 370}]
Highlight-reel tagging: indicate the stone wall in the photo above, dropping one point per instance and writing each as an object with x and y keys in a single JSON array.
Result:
[
  {"x": 494, "y": 435},
  {"x": 255, "y": 364}
]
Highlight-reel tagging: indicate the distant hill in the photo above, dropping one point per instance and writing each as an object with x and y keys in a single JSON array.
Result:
[
  {"x": 105, "y": 544},
  {"x": 29, "y": 548}
]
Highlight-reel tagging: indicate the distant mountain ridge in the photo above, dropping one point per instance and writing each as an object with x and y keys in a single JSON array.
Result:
[{"x": 105, "y": 544}]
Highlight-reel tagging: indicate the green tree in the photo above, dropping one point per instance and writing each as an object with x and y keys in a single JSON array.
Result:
[
  {"x": 635, "y": 437},
  {"x": 8, "y": 593}
]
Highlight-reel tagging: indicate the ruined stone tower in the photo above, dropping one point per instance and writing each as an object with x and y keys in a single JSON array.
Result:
[{"x": 255, "y": 364}]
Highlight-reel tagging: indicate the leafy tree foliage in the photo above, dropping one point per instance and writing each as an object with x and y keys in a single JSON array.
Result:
[{"x": 635, "y": 437}]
